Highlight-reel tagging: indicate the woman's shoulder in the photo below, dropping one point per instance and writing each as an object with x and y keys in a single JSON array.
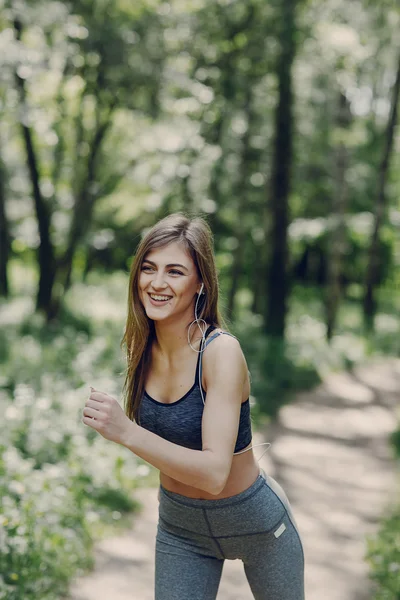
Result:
[
  {"x": 223, "y": 357},
  {"x": 220, "y": 339}
]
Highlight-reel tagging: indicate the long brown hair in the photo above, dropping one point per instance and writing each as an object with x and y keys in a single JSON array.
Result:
[{"x": 196, "y": 236}]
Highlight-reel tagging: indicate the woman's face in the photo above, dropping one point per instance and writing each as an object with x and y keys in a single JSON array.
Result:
[{"x": 168, "y": 283}]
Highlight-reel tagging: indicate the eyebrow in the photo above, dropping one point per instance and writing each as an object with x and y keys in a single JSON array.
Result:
[{"x": 168, "y": 266}]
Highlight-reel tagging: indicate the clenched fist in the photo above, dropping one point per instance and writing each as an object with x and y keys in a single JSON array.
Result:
[{"x": 104, "y": 414}]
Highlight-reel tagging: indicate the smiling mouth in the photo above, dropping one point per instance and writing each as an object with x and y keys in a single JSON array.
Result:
[{"x": 160, "y": 297}]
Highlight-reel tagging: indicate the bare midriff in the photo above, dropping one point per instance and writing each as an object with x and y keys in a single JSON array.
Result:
[{"x": 244, "y": 471}]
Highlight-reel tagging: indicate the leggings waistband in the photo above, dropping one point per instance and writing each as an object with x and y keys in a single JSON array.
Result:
[{"x": 219, "y": 502}]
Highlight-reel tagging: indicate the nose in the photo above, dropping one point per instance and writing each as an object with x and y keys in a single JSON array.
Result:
[{"x": 158, "y": 282}]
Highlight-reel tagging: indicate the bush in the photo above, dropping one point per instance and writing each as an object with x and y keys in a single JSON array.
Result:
[
  {"x": 383, "y": 550},
  {"x": 43, "y": 537},
  {"x": 383, "y": 556},
  {"x": 57, "y": 480},
  {"x": 395, "y": 441},
  {"x": 280, "y": 368},
  {"x": 61, "y": 483},
  {"x": 277, "y": 370}
]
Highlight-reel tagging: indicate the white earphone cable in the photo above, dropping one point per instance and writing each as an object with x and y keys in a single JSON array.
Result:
[
  {"x": 203, "y": 330},
  {"x": 198, "y": 322}
]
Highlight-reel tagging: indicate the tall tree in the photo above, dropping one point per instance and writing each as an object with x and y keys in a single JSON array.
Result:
[
  {"x": 337, "y": 240},
  {"x": 236, "y": 121},
  {"x": 374, "y": 254},
  {"x": 276, "y": 276},
  {"x": 105, "y": 71},
  {"x": 4, "y": 236}
]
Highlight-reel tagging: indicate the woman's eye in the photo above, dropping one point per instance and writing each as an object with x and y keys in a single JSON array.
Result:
[{"x": 149, "y": 269}]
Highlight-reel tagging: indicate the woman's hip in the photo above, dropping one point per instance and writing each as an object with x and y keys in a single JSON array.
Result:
[
  {"x": 258, "y": 508},
  {"x": 235, "y": 527}
]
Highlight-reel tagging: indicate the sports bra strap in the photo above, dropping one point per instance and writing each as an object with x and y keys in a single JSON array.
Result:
[{"x": 216, "y": 335}]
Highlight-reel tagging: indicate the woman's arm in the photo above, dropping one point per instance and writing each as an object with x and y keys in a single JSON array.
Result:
[
  {"x": 196, "y": 468},
  {"x": 192, "y": 467}
]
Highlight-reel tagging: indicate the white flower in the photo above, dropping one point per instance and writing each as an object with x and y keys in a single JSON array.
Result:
[
  {"x": 92, "y": 516},
  {"x": 16, "y": 486},
  {"x": 43, "y": 403},
  {"x": 13, "y": 412}
]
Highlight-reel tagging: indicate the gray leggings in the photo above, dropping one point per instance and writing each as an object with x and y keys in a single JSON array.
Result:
[{"x": 195, "y": 536}]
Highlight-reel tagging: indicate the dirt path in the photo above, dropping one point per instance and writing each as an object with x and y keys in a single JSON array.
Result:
[{"x": 330, "y": 453}]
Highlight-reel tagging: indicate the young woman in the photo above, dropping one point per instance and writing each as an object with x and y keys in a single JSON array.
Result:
[{"x": 188, "y": 414}]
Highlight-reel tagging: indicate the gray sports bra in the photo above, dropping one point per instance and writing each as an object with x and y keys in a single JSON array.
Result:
[{"x": 180, "y": 421}]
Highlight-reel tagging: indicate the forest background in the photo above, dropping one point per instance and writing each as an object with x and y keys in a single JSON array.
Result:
[{"x": 277, "y": 122}]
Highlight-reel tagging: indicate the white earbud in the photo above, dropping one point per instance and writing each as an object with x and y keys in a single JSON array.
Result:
[{"x": 201, "y": 289}]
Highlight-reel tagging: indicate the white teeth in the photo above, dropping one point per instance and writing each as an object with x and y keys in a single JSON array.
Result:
[{"x": 159, "y": 297}]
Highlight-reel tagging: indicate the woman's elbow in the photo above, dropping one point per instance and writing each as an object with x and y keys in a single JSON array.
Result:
[
  {"x": 216, "y": 490},
  {"x": 219, "y": 486},
  {"x": 211, "y": 485}
]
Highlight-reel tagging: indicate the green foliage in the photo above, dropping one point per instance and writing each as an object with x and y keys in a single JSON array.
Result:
[
  {"x": 275, "y": 375},
  {"x": 113, "y": 499},
  {"x": 383, "y": 556},
  {"x": 395, "y": 441},
  {"x": 137, "y": 111},
  {"x": 60, "y": 482},
  {"x": 383, "y": 549},
  {"x": 66, "y": 348},
  {"x": 44, "y": 539},
  {"x": 279, "y": 369}
]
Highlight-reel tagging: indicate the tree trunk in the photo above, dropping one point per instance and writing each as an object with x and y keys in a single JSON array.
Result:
[
  {"x": 372, "y": 274},
  {"x": 46, "y": 260},
  {"x": 84, "y": 205},
  {"x": 82, "y": 216},
  {"x": 4, "y": 237},
  {"x": 337, "y": 240},
  {"x": 276, "y": 276}
]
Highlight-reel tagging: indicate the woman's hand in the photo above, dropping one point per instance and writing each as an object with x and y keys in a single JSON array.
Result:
[{"x": 105, "y": 415}]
